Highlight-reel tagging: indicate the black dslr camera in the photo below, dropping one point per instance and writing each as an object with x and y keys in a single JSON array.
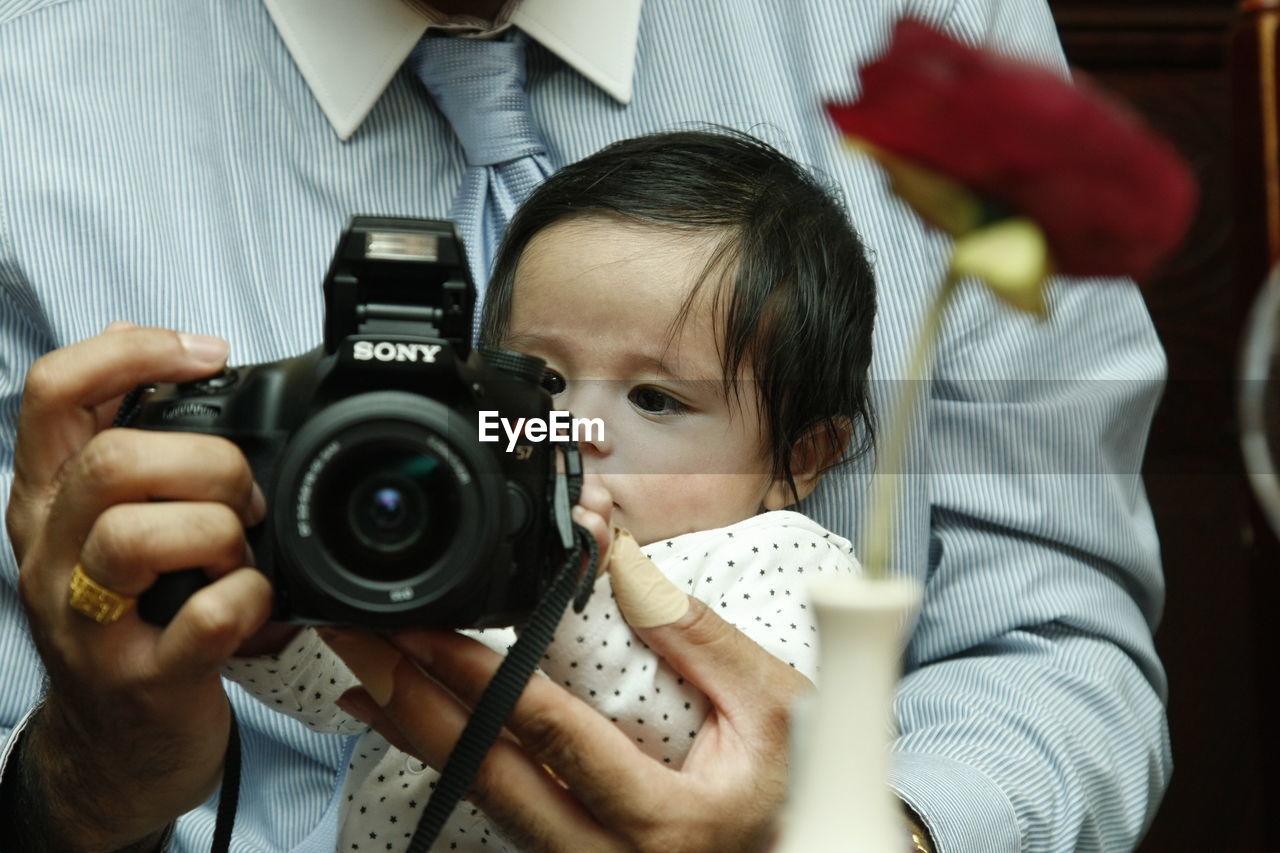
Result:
[{"x": 384, "y": 508}]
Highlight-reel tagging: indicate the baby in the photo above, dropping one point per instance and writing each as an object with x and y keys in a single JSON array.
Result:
[{"x": 709, "y": 302}]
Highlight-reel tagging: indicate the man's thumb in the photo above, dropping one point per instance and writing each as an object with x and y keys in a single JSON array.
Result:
[
  {"x": 712, "y": 654},
  {"x": 645, "y": 596}
]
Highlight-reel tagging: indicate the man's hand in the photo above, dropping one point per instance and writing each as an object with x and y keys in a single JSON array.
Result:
[
  {"x": 606, "y": 794},
  {"x": 135, "y": 723}
]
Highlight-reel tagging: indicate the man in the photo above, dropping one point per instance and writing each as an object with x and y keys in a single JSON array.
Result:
[{"x": 189, "y": 168}]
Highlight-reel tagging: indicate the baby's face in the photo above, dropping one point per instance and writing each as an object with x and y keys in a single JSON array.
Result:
[{"x": 597, "y": 298}]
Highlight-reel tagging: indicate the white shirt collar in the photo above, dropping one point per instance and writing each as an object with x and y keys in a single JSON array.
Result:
[{"x": 348, "y": 50}]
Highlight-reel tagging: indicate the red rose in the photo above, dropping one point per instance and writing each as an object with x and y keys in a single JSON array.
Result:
[{"x": 1111, "y": 197}]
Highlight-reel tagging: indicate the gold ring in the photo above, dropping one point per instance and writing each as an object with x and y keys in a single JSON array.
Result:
[{"x": 96, "y": 601}]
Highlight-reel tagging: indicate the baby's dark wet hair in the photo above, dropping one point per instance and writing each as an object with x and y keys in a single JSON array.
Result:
[{"x": 797, "y": 304}]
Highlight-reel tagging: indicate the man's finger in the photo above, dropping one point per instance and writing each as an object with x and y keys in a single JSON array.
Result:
[
  {"x": 722, "y": 662},
  {"x": 358, "y": 703},
  {"x": 713, "y": 655},
  {"x": 514, "y": 789},
  {"x": 596, "y": 759},
  {"x": 643, "y": 593},
  {"x": 134, "y": 466},
  {"x": 64, "y": 388},
  {"x": 130, "y": 545},
  {"x": 212, "y": 624},
  {"x": 105, "y": 412}
]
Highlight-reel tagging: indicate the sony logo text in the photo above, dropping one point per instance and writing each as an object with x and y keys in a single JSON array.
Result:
[
  {"x": 561, "y": 426},
  {"x": 394, "y": 351}
]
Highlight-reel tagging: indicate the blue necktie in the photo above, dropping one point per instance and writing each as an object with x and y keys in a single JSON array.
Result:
[{"x": 479, "y": 87}]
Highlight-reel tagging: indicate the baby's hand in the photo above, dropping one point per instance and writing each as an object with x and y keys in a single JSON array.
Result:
[{"x": 594, "y": 512}]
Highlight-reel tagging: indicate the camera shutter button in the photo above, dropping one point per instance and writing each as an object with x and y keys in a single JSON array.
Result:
[{"x": 219, "y": 381}]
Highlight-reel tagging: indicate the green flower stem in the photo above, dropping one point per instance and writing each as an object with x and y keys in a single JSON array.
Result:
[{"x": 886, "y": 484}]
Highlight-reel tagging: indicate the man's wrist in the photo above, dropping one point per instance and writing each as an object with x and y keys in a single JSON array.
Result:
[{"x": 30, "y": 818}]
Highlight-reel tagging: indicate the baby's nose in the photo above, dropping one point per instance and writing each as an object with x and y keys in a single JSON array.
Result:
[
  {"x": 588, "y": 405},
  {"x": 593, "y": 440}
]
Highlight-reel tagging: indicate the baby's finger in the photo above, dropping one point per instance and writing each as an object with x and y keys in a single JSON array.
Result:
[
  {"x": 595, "y": 496},
  {"x": 600, "y": 531}
]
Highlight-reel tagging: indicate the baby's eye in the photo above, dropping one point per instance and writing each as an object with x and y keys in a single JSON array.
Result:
[
  {"x": 552, "y": 381},
  {"x": 655, "y": 402}
]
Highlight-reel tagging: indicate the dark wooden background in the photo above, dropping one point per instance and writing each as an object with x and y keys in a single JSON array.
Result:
[{"x": 1171, "y": 61}]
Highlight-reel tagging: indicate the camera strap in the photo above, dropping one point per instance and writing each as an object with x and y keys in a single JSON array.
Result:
[
  {"x": 504, "y": 689},
  {"x": 229, "y": 795}
]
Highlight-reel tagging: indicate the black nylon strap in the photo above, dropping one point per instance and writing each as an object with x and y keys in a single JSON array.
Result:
[
  {"x": 499, "y": 697},
  {"x": 229, "y": 797},
  {"x": 128, "y": 407}
]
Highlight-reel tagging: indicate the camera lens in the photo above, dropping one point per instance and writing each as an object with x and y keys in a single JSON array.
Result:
[{"x": 386, "y": 510}]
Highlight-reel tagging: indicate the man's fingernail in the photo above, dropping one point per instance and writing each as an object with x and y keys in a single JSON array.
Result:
[
  {"x": 207, "y": 348},
  {"x": 370, "y": 658},
  {"x": 646, "y": 597}
]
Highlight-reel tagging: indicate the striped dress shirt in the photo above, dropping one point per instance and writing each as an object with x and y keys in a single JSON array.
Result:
[{"x": 166, "y": 163}]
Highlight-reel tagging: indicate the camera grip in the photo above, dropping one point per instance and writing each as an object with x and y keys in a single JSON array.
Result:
[{"x": 159, "y": 604}]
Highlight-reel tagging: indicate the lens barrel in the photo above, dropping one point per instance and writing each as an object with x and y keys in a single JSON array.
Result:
[{"x": 386, "y": 504}]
